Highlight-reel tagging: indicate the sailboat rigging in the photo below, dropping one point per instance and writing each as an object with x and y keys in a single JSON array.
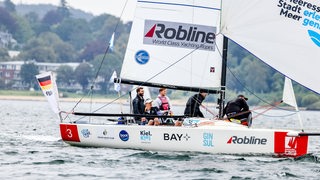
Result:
[{"x": 174, "y": 44}]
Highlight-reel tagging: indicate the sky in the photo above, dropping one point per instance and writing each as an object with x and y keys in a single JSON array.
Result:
[{"x": 96, "y": 7}]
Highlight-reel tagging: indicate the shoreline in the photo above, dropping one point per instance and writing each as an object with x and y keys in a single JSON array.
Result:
[
  {"x": 175, "y": 102},
  {"x": 180, "y": 102}
]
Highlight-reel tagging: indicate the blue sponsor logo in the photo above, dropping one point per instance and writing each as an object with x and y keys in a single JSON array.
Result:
[
  {"x": 315, "y": 37},
  {"x": 123, "y": 135},
  {"x": 142, "y": 57},
  {"x": 145, "y": 136},
  {"x": 310, "y": 20},
  {"x": 207, "y": 139},
  {"x": 85, "y": 133}
]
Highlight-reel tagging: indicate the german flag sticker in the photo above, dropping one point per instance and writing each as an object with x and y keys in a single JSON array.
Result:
[{"x": 45, "y": 83}]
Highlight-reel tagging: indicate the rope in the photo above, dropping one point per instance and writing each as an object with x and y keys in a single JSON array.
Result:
[
  {"x": 151, "y": 77},
  {"x": 271, "y": 107},
  {"x": 287, "y": 115},
  {"x": 207, "y": 109},
  {"x": 102, "y": 61}
]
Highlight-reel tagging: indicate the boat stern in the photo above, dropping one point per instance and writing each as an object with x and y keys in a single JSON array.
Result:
[{"x": 290, "y": 146}]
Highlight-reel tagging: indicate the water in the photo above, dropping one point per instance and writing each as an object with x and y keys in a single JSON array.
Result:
[{"x": 31, "y": 148}]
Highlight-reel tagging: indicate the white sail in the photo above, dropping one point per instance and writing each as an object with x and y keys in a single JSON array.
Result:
[
  {"x": 164, "y": 32},
  {"x": 288, "y": 94},
  {"x": 283, "y": 34},
  {"x": 290, "y": 98}
]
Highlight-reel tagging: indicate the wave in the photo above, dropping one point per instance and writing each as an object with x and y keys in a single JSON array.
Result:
[
  {"x": 162, "y": 155},
  {"x": 41, "y": 138},
  {"x": 57, "y": 161},
  {"x": 309, "y": 158}
]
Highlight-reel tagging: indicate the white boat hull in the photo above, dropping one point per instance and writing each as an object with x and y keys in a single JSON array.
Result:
[{"x": 218, "y": 137}]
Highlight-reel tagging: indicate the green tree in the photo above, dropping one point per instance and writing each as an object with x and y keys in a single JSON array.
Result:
[
  {"x": 98, "y": 22},
  {"x": 63, "y": 9},
  {"x": 256, "y": 77},
  {"x": 51, "y": 18},
  {"x": 24, "y": 31},
  {"x": 277, "y": 82},
  {"x": 65, "y": 75},
  {"x": 83, "y": 74},
  {"x": 64, "y": 51},
  {"x": 93, "y": 49},
  {"x": 4, "y": 55},
  {"x": 39, "y": 54},
  {"x": 28, "y": 72},
  {"x": 2, "y": 84},
  {"x": 111, "y": 63},
  {"x": 107, "y": 29},
  {"x": 7, "y": 22},
  {"x": 309, "y": 99},
  {"x": 9, "y": 6},
  {"x": 75, "y": 31},
  {"x": 48, "y": 47}
]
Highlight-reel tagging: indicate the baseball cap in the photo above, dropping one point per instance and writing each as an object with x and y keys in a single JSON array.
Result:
[
  {"x": 240, "y": 95},
  {"x": 148, "y": 100}
]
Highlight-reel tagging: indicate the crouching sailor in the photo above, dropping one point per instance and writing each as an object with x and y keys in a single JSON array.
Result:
[{"x": 237, "y": 110}]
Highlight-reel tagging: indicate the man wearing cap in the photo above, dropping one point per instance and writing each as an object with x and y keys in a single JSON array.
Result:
[
  {"x": 149, "y": 110},
  {"x": 237, "y": 108}
]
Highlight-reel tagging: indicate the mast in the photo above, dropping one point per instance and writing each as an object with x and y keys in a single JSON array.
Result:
[{"x": 221, "y": 100}]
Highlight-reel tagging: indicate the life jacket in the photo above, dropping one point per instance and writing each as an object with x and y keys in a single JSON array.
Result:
[{"x": 164, "y": 103}]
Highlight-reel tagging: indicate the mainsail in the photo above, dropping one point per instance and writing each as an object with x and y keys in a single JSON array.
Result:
[
  {"x": 175, "y": 43},
  {"x": 290, "y": 28}
]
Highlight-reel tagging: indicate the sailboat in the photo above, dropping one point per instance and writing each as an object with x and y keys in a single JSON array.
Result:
[{"x": 182, "y": 45}]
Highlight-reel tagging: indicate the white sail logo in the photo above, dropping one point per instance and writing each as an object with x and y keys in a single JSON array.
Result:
[
  {"x": 142, "y": 57},
  {"x": 291, "y": 145},
  {"x": 179, "y": 35}
]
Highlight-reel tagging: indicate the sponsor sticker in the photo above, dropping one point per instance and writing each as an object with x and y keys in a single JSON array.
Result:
[
  {"x": 247, "y": 140},
  {"x": 175, "y": 137},
  {"x": 142, "y": 57},
  {"x": 145, "y": 136},
  {"x": 180, "y": 35},
  {"x": 291, "y": 144},
  {"x": 303, "y": 12},
  {"x": 85, "y": 133},
  {"x": 106, "y": 134},
  {"x": 124, "y": 135},
  {"x": 207, "y": 139}
]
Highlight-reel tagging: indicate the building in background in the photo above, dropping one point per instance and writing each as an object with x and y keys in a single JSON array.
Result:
[
  {"x": 10, "y": 71},
  {"x": 7, "y": 41}
]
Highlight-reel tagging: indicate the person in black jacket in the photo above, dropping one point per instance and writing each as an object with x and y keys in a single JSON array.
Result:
[
  {"x": 193, "y": 105},
  {"x": 138, "y": 106},
  {"x": 237, "y": 108}
]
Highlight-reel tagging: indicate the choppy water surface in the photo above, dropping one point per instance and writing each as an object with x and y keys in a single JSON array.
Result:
[{"x": 31, "y": 148}]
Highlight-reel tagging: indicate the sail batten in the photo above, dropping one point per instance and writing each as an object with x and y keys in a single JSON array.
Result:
[{"x": 181, "y": 4}]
